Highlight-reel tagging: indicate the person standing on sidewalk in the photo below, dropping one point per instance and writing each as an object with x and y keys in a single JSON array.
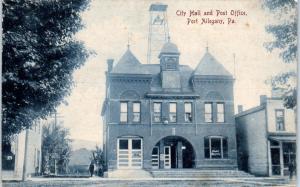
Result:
[
  {"x": 291, "y": 169},
  {"x": 91, "y": 168}
]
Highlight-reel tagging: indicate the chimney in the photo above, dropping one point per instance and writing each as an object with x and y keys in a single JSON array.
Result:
[
  {"x": 240, "y": 108},
  {"x": 263, "y": 99},
  {"x": 110, "y": 63}
]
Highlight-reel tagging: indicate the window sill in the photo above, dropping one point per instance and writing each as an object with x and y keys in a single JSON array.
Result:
[
  {"x": 135, "y": 123},
  {"x": 215, "y": 123},
  {"x": 177, "y": 123}
]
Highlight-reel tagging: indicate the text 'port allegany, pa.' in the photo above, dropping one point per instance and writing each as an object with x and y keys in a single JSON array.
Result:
[{"x": 211, "y": 17}]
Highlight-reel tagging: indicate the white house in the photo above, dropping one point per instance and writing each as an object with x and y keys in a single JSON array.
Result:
[{"x": 13, "y": 161}]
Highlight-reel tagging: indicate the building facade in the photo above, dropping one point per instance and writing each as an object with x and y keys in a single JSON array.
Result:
[
  {"x": 266, "y": 138},
  {"x": 13, "y": 156},
  {"x": 167, "y": 115}
]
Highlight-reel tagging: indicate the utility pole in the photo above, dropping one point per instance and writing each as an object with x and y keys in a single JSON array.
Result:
[
  {"x": 55, "y": 119},
  {"x": 234, "y": 68},
  {"x": 24, "y": 175},
  {"x": 56, "y": 116}
]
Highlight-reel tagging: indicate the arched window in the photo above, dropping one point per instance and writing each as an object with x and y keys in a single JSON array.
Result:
[
  {"x": 214, "y": 95},
  {"x": 215, "y": 147},
  {"x": 130, "y": 94}
]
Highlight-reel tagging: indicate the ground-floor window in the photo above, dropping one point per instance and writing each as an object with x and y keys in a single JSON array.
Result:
[
  {"x": 289, "y": 156},
  {"x": 130, "y": 153},
  {"x": 215, "y": 147},
  {"x": 283, "y": 154},
  {"x": 8, "y": 156}
]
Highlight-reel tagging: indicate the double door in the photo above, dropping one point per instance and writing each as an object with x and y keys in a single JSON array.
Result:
[{"x": 130, "y": 153}]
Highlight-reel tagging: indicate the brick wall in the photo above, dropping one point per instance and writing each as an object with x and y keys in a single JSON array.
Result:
[
  {"x": 194, "y": 132},
  {"x": 252, "y": 141}
]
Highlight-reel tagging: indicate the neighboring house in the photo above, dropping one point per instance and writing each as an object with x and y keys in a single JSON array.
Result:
[
  {"x": 14, "y": 154},
  {"x": 266, "y": 137},
  {"x": 167, "y": 115}
]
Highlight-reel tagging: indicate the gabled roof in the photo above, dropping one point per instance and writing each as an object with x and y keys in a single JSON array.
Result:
[
  {"x": 127, "y": 63},
  {"x": 210, "y": 66}
]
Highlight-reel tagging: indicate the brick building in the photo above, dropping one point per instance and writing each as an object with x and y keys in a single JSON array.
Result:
[
  {"x": 168, "y": 115},
  {"x": 266, "y": 137}
]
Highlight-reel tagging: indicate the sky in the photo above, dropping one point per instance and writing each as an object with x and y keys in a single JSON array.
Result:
[{"x": 109, "y": 25}]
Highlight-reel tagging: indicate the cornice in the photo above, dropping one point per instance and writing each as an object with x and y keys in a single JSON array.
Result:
[{"x": 130, "y": 78}]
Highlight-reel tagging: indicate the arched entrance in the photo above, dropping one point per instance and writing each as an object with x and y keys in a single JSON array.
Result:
[{"x": 173, "y": 152}]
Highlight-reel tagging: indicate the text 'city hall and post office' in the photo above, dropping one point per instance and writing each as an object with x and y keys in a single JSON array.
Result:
[{"x": 211, "y": 17}]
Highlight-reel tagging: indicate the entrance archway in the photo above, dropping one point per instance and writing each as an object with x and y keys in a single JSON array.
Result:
[{"x": 173, "y": 152}]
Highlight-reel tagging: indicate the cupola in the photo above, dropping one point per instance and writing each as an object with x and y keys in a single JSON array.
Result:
[{"x": 169, "y": 57}]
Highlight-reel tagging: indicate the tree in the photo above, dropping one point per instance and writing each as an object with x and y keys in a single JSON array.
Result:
[
  {"x": 285, "y": 40},
  {"x": 98, "y": 158},
  {"x": 39, "y": 56},
  {"x": 56, "y": 149}
]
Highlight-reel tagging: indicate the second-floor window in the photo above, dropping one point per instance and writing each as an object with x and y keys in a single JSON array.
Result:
[
  {"x": 188, "y": 112},
  {"x": 172, "y": 112},
  {"x": 279, "y": 115},
  {"x": 157, "y": 112},
  {"x": 208, "y": 112},
  {"x": 220, "y": 113},
  {"x": 136, "y": 112},
  {"x": 123, "y": 112}
]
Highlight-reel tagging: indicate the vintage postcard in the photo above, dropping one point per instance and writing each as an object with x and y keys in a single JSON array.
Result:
[{"x": 149, "y": 93}]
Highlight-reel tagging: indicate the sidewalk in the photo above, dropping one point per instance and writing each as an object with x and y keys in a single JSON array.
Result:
[
  {"x": 253, "y": 180},
  {"x": 149, "y": 182}
]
